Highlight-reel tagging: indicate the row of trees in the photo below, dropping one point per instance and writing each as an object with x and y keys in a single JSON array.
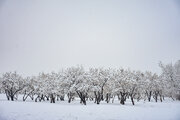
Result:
[{"x": 96, "y": 84}]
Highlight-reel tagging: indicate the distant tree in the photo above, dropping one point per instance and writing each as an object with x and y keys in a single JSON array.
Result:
[
  {"x": 61, "y": 86},
  {"x": 109, "y": 87},
  {"x": 134, "y": 84},
  {"x": 149, "y": 82},
  {"x": 40, "y": 87},
  {"x": 171, "y": 77},
  {"x": 12, "y": 83},
  {"x": 121, "y": 81},
  {"x": 96, "y": 84},
  {"x": 29, "y": 89},
  {"x": 1, "y": 85},
  {"x": 99, "y": 78}
]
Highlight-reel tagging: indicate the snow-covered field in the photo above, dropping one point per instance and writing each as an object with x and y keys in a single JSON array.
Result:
[{"x": 61, "y": 110}]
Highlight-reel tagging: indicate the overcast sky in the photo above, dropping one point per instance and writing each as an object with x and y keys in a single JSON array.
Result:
[{"x": 46, "y": 35}]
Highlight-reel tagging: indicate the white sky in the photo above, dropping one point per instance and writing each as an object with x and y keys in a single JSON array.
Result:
[{"x": 46, "y": 35}]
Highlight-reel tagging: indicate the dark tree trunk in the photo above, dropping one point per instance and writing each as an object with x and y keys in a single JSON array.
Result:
[
  {"x": 160, "y": 98},
  {"x": 27, "y": 95},
  {"x": 42, "y": 97},
  {"x": 12, "y": 98},
  {"x": 132, "y": 95},
  {"x": 122, "y": 101},
  {"x": 156, "y": 98},
  {"x": 123, "y": 98},
  {"x": 156, "y": 95},
  {"x": 108, "y": 95},
  {"x": 62, "y": 98},
  {"x": 47, "y": 97},
  {"x": 69, "y": 100},
  {"x": 70, "y": 97},
  {"x": 102, "y": 97},
  {"x": 82, "y": 96},
  {"x": 32, "y": 96},
  {"x": 132, "y": 100},
  {"x": 36, "y": 98},
  {"x": 7, "y": 97},
  {"x": 97, "y": 97},
  {"x": 24, "y": 96},
  {"x": 7, "y": 94},
  {"x": 11, "y": 95},
  {"x": 52, "y": 98},
  {"x": 149, "y": 95}
]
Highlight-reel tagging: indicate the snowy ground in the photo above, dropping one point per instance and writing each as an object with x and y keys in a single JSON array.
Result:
[{"x": 61, "y": 110}]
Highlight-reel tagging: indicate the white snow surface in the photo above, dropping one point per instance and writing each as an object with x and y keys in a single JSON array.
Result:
[{"x": 62, "y": 110}]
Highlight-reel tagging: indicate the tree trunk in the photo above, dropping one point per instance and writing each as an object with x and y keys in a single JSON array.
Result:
[
  {"x": 70, "y": 97},
  {"x": 82, "y": 96},
  {"x": 62, "y": 98},
  {"x": 160, "y": 98},
  {"x": 47, "y": 97},
  {"x": 52, "y": 98},
  {"x": 24, "y": 96},
  {"x": 113, "y": 98},
  {"x": 7, "y": 97},
  {"x": 123, "y": 98},
  {"x": 69, "y": 100},
  {"x": 97, "y": 97},
  {"x": 132, "y": 99},
  {"x": 11, "y": 95},
  {"x": 27, "y": 95},
  {"x": 108, "y": 95},
  {"x": 36, "y": 98},
  {"x": 12, "y": 98},
  {"x": 149, "y": 95},
  {"x": 7, "y": 94},
  {"x": 122, "y": 101},
  {"x": 102, "y": 97},
  {"x": 156, "y": 95}
]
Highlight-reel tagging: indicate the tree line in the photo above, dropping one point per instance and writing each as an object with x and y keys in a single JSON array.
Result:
[{"x": 95, "y": 84}]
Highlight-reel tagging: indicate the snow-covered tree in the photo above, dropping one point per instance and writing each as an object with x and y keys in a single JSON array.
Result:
[
  {"x": 78, "y": 83},
  {"x": 1, "y": 85},
  {"x": 29, "y": 89},
  {"x": 139, "y": 78},
  {"x": 40, "y": 86},
  {"x": 99, "y": 78},
  {"x": 12, "y": 83},
  {"x": 171, "y": 76},
  {"x": 109, "y": 87},
  {"x": 149, "y": 79},
  {"x": 61, "y": 87},
  {"x": 51, "y": 86},
  {"x": 96, "y": 84},
  {"x": 121, "y": 78},
  {"x": 134, "y": 84}
]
